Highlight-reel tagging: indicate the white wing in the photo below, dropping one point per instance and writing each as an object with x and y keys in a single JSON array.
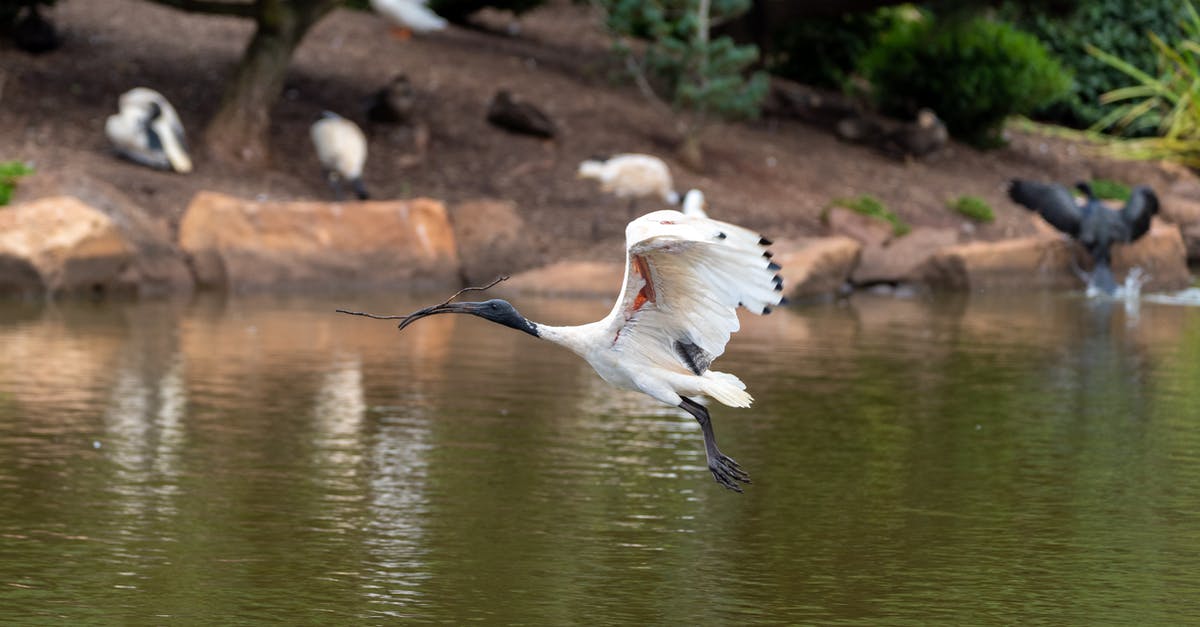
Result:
[{"x": 685, "y": 277}]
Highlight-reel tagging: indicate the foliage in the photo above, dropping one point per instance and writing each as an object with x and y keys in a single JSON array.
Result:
[
  {"x": 692, "y": 70},
  {"x": 973, "y": 207},
  {"x": 1169, "y": 95},
  {"x": 974, "y": 72},
  {"x": 10, "y": 171},
  {"x": 1110, "y": 190},
  {"x": 825, "y": 51},
  {"x": 458, "y": 10},
  {"x": 1116, "y": 26},
  {"x": 872, "y": 207}
]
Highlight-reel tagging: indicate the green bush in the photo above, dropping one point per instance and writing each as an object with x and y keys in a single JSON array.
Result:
[
  {"x": 974, "y": 72},
  {"x": 872, "y": 207},
  {"x": 1110, "y": 190},
  {"x": 973, "y": 207},
  {"x": 10, "y": 171},
  {"x": 1115, "y": 26},
  {"x": 825, "y": 51},
  {"x": 459, "y": 10}
]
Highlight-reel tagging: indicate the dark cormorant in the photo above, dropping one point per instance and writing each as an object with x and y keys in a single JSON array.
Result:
[{"x": 1095, "y": 226}]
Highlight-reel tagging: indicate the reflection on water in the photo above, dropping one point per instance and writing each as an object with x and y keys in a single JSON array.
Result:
[{"x": 954, "y": 461}]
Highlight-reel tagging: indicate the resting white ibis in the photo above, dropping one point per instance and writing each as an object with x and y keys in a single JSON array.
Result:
[
  {"x": 685, "y": 277},
  {"x": 632, "y": 176},
  {"x": 147, "y": 130},
  {"x": 1095, "y": 226},
  {"x": 342, "y": 151}
]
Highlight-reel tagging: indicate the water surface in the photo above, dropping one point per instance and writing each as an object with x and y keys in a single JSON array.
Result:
[{"x": 956, "y": 461}]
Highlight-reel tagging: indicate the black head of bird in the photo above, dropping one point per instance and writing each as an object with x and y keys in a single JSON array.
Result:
[
  {"x": 497, "y": 310},
  {"x": 1092, "y": 224}
]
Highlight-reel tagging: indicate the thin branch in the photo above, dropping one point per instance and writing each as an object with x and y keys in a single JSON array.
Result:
[
  {"x": 213, "y": 7},
  {"x": 503, "y": 277}
]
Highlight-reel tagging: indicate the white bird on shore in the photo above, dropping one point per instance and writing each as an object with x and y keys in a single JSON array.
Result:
[
  {"x": 631, "y": 176},
  {"x": 147, "y": 130},
  {"x": 694, "y": 204},
  {"x": 685, "y": 277},
  {"x": 342, "y": 151},
  {"x": 409, "y": 16}
]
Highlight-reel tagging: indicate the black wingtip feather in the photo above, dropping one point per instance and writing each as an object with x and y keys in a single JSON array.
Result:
[
  {"x": 784, "y": 301},
  {"x": 721, "y": 235},
  {"x": 766, "y": 310},
  {"x": 774, "y": 267},
  {"x": 762, "y": 241},
  {"x": 768, "y": 254}
]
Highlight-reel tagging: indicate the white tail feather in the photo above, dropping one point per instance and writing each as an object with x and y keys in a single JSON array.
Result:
[{"x": 726, "y": 389}]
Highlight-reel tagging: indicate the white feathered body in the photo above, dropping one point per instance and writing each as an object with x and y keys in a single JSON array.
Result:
[
  {"x": 685, "y": 277},
  {"x": 341, "y": 146},
  {"x": 410, "y": 14},
  {"x": 146, "y": 129},
  {"x": 632, "y": 175}
]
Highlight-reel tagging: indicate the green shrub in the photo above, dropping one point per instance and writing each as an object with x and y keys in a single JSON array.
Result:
[
  {"x": 1168, "y": 95},
  {"x": 10, "y": 171},
  {"x": 1116, "y": 26},
  {"x": 1110, "y": 190},
  {"x": 825, "y": 51},
  {"x": 974, "y": 72},
  {"x": 459, "y": 10},
  {"x": 871, "y": 206},
  {"x": 973, "y": 207}
]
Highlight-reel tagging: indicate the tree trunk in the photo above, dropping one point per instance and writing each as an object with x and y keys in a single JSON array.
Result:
[{"x": 238, "y": 131}]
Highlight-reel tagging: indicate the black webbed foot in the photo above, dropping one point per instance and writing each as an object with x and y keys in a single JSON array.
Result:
[{"x": 727, "y": 472}]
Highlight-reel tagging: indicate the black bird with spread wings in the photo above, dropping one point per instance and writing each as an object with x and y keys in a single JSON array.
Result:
[{"x": 1092, "y": 224}]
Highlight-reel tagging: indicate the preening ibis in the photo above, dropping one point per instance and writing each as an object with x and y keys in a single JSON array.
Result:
[
  {"x": 1095, "y": 226},
  {"x": 685, "y": 277},
  {"x": 147, "y": 130},
  {"x": 631, "y": 176},
  {"x": 694, "y": 204},
  {"x": 342, "y": 151}
]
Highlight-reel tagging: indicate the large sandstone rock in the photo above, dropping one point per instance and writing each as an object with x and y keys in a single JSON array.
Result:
[
  {"x": 570, "y": 278},
  {"x": 61, "y": 245},
  {"x": 897, "y": 260},
  {"x": 491, "y": 238},
  {"x": 158, "y": 265},
  {"x": 1185, "y": 212},
  {"x": 816, "y": 268},
  {"x": 1047, "y": 261},
  {"x": 240, "y": 244}
]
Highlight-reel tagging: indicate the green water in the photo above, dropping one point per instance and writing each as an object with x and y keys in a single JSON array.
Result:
[{"x": 1013, "y": 460}]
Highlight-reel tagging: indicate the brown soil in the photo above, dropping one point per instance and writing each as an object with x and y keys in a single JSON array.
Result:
[{"x": 775, "y": 175}]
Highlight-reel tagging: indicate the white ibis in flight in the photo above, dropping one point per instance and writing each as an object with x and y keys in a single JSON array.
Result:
[
  {"x": 1095, "y": 226},
  {"x": 685, "y": 277}
]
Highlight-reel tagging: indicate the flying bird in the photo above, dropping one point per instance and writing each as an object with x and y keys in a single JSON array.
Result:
[
  {"x": 685, "y": 277},
  {"x": 409, "y": 16},
  {"x": 631, "y": 176},
  {"x": 342, "y": 151},
  {"x": 147, "y": 130},
  {"x": 1094, "y": 225}
]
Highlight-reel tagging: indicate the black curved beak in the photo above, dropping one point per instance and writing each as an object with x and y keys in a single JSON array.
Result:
[{"x": 468, "y": 308}]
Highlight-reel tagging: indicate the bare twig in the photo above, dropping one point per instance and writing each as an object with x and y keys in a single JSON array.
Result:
[{"x": 364, "y": 314}]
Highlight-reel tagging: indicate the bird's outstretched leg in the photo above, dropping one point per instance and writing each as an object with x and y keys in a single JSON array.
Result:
[
  {"x": 726, "y": 471},
  {"x": 335, "y": 183}
]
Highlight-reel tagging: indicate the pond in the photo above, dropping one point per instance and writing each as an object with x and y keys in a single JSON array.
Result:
[{"x": 1013, "y": 459}]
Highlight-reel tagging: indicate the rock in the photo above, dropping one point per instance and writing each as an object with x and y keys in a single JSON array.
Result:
[
  {"x": 490, "y": 236},
  {"x": 61, "y": 245},
  {"x": 1160, "y": 253},
  {"x": 1038, "y": 261},
  {"x": 240, "y": 244},
  {"x": 866, "y": 230},
  {"x": 1185, "y": 212},
  {"x": 519, "y": 117},
  {"x": 816, "y": 268},
  {"x": 1047, "y": 262},
  {"x": 898, "y": 260},
  {"x": 159, "y": 264},
  {"x": 570, "y": 278}
]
